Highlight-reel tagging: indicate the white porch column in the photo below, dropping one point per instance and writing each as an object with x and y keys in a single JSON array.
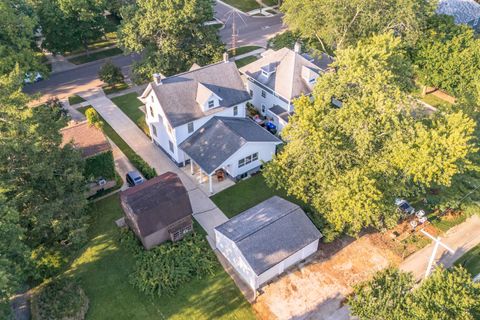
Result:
[
  {"x": 191, "y": 166},
  {"x": 210, "y": 184}
]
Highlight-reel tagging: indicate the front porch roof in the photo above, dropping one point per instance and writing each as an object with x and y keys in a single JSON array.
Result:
[{"x": 220, "y": 138}]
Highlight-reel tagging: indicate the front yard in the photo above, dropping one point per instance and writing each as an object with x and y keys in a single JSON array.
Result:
[
  {"x": 130, "y": 105},
  {"x": 103, "y": 267},
  {"x": 471, "y": 261},
  {"x": 244, "y": 5}
]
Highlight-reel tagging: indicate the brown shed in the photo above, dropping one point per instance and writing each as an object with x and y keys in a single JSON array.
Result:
[{"x": 158, "y": 210}]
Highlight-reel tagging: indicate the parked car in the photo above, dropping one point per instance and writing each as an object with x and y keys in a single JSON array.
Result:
[
  {"x": 404, "y": 206},
  {"x": 134, "y": 178},
  {"x": 31, "y": 77}
]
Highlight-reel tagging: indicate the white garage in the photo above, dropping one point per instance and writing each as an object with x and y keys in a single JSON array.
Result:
[{"x": 263, "y": 241}]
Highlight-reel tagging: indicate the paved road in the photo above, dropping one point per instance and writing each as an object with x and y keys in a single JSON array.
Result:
[
  {"x": 251, "y": 30},
  {"x": 205, "y": 211},
  {"x": 85, "y": 77}
]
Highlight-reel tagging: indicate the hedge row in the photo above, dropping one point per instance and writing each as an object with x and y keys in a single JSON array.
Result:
[{"x": 162, "y": 270}]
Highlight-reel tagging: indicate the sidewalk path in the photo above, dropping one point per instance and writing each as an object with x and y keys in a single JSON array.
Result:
[
  {"x": 251, "y": 53},
  {"x": 122, "y": 164},
  {"x": 460, "y": 238},
  {"x": 205, "y": 211}
]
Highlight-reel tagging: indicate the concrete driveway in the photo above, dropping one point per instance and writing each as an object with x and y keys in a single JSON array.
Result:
[{"x": 205, "y": 211}]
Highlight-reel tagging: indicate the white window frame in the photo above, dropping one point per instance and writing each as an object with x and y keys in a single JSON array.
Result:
[
  {"x": 170, "y": 146},
  {"x": 190, "y": 127},
  {"x": 211, "y": 104},
  {"x": 235, "y": 111},
  {"x": 264, "y": 94},
  {"x": 154, "y": 130}
]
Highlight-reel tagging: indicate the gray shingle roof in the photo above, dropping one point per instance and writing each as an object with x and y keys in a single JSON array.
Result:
[
  {"x": 282, "y": 113},
  {"x": 270, "y": 232},
  {"x": 220, "y": 138},
  {"x": 177, "y": 94},
  {"x": 287, "y": 80},
  {"x": 464, "y": 11}
]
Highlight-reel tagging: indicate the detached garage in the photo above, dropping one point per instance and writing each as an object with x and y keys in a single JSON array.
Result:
[{"x": 265, "y": 240}]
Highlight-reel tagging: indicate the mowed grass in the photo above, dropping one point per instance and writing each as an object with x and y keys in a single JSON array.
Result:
[
  {"x": 242, "y": 50},
  {"x": 103, "y": 268},
  {"x": 244, "y": 61},
  {"x": 471, "y": 261},
  {"x": 96, "y": 56},
  {"x": 75, "y": 99},
  {"x": 115, "y": 88},
  {"x": 243, "y": 5},
  {"x": 129, "y": 104}
]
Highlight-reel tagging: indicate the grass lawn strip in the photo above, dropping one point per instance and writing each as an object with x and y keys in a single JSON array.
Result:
[
  {"x": 103, "y": 267},
  {"x": 244, "y": 61},
  {"x": 115, "y": 88},
  {"x": 243, "y": 50},
  {"x": 129, "y": 104},
  {"x": 96, "y": 56},
  {"x": 96, "y": 44},
  {"x": 244, "y": 5},
  {"x": 75, "y": 99},
  {"x": 471, "y": 261}
]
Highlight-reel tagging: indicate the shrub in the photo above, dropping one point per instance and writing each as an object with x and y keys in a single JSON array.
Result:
[
  {"x": 162, "y": 270},
  {"x": 101, "y": 165},
  {"x": 147, "y": 171},
  {"x": 110, "y": 73},
  {"x": 60, "y": 299},
  {"x": 286, "y": 39},
  {"x": 94, "y": 118}
]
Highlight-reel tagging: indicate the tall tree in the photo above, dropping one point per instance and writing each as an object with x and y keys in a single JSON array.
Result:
[
  {"x": 172, "y": 34},
  {"x": 71, "y": 24},
  {"x": 350, "y": 163},
  {"x": 390, "y": 295},
  {"x": 448, "y": 57},
  {"x": 17, "y": 28},
  {"x": 337, "y": 24}
]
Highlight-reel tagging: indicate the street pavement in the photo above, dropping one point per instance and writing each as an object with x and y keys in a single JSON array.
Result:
[{"x": 205, "y": 211}]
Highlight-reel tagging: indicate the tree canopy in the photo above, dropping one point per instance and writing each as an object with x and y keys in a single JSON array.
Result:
[
  {"x": 390, "y": 295},
  {"x": 338, "y": 24},
  {"x": 350, "y": 163},
  {"x": 172, "y": 34}
]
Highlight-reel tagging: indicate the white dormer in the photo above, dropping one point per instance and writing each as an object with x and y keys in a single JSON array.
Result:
[
  {"x": 309, "y": 75},
  {"x": 206, "y": 98},
  {"x": 268, "y": 70}
]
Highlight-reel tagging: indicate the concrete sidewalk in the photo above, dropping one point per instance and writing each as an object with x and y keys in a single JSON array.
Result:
[{"x": 205, "y": 211}]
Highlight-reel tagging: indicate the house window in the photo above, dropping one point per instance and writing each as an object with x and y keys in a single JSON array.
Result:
[
  {"x": 211, "y": 103},
  {"x": 180, "y": 233},
  {"x": 264, "y": 108},
  {"x": 265, "y": 73},
  {"x": 241, "y": 163},
  {"x": 251, "y": 93},
  {"x": 248, "y": 159},
  {"x": 255, "y": 156},
  {"x": 264, "y": 94},
  {"x": 151, "y": 112},
  {"x": 235, "y": 111},
  {"x": 154, "y": 130},
  {"x": 170, "y": 145},
  {"x": 190, "y": 127},
  {"x": 312, "y": 80},
  {"x": 151, "y": 97}
]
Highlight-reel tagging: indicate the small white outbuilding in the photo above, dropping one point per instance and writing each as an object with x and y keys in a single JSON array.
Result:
[{"x": 263, "y": 241}]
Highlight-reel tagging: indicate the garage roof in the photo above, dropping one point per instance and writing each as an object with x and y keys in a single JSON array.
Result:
[{"x": 270, "y": 232}]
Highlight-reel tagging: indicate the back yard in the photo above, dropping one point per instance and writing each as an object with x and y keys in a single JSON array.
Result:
[{"x": 103, "y": 268}]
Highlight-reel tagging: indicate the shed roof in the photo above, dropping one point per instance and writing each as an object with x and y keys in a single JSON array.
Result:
[
  {"x": 178, "y": 94},
  {"x": 219, "y": 138},
  {"x": 270, "y": 232},
  {"x": 86, "y": 138},
  {"x": 157, "y": 203},
  {"x": 286, "y": 66},
  {"x": 280, "y": 112}
]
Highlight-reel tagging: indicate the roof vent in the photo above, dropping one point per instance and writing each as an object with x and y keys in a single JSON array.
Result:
[
  {"x": 298, "y": 47},
  {"x": 157, "y": 77}
]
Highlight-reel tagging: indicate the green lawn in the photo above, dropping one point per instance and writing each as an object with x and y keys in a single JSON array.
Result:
[
  {"x": 75, "y": 99},
  {"x": 96, "y": 56},
  {"x": 129, "y": 104},
  {"x": 271, "y": 3},
  {"x": 244, "y": 61},
  {"x": 115, "y": 88},
  {"x": 243, "y": 50},
  {"x": 109, "y": 39},
  {"x": 103, "y": 268},
  {"x": 244, "y": 5},
  {"x": 471, "y": 261}
]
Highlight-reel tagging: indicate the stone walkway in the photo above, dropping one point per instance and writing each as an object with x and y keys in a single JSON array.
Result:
[{"x": 205, "y": 211}]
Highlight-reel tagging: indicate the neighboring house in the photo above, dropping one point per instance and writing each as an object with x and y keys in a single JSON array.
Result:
[
  {"x": 281, "y": 76},
  {"x": 236, "y": 146},
  {"x": 97, "y": 152},
  {"x": 463, "y": 11},
  {"x": 158, "y": 210},
  {"x": 265, "y": 240},
  {"x": 199, "y": 117},
  {"x": 179, "y": 105}
]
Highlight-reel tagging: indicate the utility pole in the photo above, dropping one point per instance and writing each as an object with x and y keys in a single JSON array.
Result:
[
  {"x": 232, "y": 14},
  {"x": 434, "y": 252}
]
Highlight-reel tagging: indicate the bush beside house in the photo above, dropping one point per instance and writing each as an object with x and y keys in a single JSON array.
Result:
[
  {"x": 101, "y": 165},
  {"x": 60, "y": 299}
]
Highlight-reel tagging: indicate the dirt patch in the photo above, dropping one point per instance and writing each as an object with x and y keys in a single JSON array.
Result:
[{"x": 317, "y": 289}]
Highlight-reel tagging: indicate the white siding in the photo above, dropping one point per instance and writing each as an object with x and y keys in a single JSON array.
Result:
[
  {"x": 265, "y": 150},
  {"x": 269, "y": 101},
  {"x": 285, "y": 264},
  {"x": 231, "y": 252}
]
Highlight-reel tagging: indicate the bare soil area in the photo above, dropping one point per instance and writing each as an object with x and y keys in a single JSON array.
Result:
[{"x": 317, "y": 288}]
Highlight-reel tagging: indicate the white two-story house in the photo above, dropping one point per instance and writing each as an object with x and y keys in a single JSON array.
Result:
[
  {"x": 199, "y": 117},
  {"x": 279, "y": 77}
]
